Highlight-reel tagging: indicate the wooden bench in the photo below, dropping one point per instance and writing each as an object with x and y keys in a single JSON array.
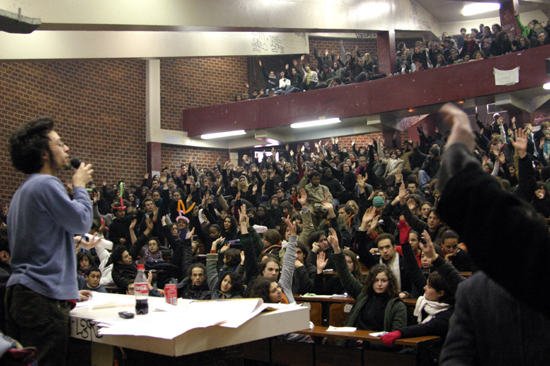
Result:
[{"x": 276, "y": 351}]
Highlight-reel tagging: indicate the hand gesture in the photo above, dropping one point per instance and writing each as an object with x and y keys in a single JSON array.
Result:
[
  {"x": 333, "y": 240},
  {"x": 286, "y": 67},
  {"x": 361, "y": 181},
  {"x": 238, "y": 196},
  {"x": 290, "y": 225},
  {"x": 326, "y": 204},
  {"x": 133, "y": 224},
  {"x": 502, "y": 158},
  {"x": 336, "y": 140},
  {"x": 428, "y": 248},
  {"x": 163, "y": 178},
  {"x": 352, "y": 141},
  {"x": 520, "y": 143},
  {"x": 190, "y": 233},
  {"x": 513, "y": 120},
  {"x": 302, "y": 197},
  {"x": 291, "y": 152},
  {"x": 254, "y": 188},
  {"x": 260, "y": 62},
  {"x": 225, "y": 247},
  {"x": 402, "y": 194},
  {"x": 374, "y": 223},
  {"x": 321, "y": 262},
  {"x": 370, "y": 213},
  {"x": 149, "y": 224},
  {"x": 87, "y": 244}
]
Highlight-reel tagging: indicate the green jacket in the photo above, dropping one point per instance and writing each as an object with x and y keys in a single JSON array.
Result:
[{"x": 395, "y": 316}]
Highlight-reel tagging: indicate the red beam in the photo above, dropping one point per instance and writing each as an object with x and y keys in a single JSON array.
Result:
[{"x": 446, "y": 84}]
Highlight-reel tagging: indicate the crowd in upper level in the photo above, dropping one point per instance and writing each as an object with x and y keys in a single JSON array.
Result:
[{"x": 333, "y": 69}]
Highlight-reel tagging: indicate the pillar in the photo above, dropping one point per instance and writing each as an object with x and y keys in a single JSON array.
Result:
[{"x": 386, "y": 51}]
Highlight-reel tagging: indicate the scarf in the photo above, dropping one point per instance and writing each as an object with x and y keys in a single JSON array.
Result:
[{"x": 430, "y": 307}]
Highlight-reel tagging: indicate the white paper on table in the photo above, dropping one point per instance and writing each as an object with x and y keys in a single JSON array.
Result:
[
  {"x": 506, "y": 77},
  {"x": 378, "y": 334},
  {"x": 341, "y": 329},
  {"x": 181, "y": 319},
  {"x": 100, "y": 300}
]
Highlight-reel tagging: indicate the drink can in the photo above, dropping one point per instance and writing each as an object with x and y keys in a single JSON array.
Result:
[{"x": 171, "y": 294}]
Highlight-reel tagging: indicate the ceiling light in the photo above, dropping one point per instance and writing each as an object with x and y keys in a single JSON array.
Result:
[
  {"x": 219, "y": 135},
  {"x": 316, "y": 123},
  {"x": 411, "y": 110},
  {"x": 546, "y": 86},
  {"x": 460, "y": 101},
  {"x": 479, "y": 8}
]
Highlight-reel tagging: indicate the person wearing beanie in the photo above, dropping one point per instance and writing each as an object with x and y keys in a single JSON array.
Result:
[{"x": 378, "y": 202}]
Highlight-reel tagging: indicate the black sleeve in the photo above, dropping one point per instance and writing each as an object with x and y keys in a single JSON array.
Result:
[
  {"x": 417, "y": 278},
  {"x": 496, "y": 225},
  {"x": 365, "y": 256}
]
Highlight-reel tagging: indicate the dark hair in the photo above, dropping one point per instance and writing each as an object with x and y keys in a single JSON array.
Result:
[
  {"x": 314, "y": 173},
  {"x": 233, "y": 227},
  {"x": 349, "y": 210},
  {"x": 81, "y": 255},
  {"x": 116, "y": 255},
  {"x": 393, "y": 289},
  {"x": 264, "y": 263},
  {"x": 449, "y": 234},
  {"x": 233, "y": 256},
  {"x": 237, "y": 283},
  {"x": 385, "y": 236},
  {"x": 28, "y": 143},
  {"x": 437, "y": 283},
  {"x": 314, "y": 236},
  {"x": 498, "y": 27},
  {"x": 155, "y": 239},
  {"x": 92, "y": 269},
  {"x": 272, "y": 236},
  {"x": 196, "y": 265},
  {"x": 215, "y": 227},
  {"x": 260, "y": 288},
  {"x": 356, "y": 265},
  {"x": 4, "y": 243}
]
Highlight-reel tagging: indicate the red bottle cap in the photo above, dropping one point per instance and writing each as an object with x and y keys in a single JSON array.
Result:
[{"x": 141, "y": 267}]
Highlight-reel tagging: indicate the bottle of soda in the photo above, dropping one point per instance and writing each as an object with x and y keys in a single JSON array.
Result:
[{"x": 141, "y": 290}]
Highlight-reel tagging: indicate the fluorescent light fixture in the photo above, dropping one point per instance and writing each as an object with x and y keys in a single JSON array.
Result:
[
  {"x": 546, "y": 86},
  {"x": 219, "y": 135},
  {"x": 479, "y": 8},
  {"x": 319, "y": 122}
]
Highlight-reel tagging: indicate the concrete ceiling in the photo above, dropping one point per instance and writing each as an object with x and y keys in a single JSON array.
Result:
[{"x": 451, "y": 11}]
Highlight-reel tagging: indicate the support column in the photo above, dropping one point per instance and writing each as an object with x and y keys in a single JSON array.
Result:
[
  {"x": 507, "y": 18},
  {"x": 152, "y": 100},
  {"x": 386, "y": 51}
]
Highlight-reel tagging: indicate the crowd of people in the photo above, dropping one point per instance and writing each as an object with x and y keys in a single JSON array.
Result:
[
  {"x": 334, "y": 69},
  {"x": 270, "y": 227}
]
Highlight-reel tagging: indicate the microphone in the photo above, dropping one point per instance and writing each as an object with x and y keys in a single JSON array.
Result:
[{"x": 75, "y": 163}]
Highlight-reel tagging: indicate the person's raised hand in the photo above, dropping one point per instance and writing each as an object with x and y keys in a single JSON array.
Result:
[
  {"x": 461, "y": 131},
  {"x": 370, "y": 213},
  {"x": 333, "y": 240},
  {"x": 402, "y": 194},
  {"x": 361, "y": 181},
  {"x": 290, "y": 225},
  {"x": 520, "y": 143},
  {"x": 321, "y": 262},
  {"x": 82, "y": 242},
  {"x": 225, "y": 247},
  {"x": 190, "y": 233},
  {"x": 428, "y": 248},
  {"x": 302, "y": 197}
]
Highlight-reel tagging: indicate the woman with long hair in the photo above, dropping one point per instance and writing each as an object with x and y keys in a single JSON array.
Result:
[{"x": 377, "y": 303}]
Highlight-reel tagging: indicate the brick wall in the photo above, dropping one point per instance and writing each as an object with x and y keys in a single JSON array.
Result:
[
  {"x": 172, "y": 156},
  {"x": 198, "y": 82},
  {"x": 98, "y": 106}
]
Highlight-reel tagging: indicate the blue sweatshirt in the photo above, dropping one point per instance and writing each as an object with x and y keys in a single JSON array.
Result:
[{"x": 42, "y": 222}]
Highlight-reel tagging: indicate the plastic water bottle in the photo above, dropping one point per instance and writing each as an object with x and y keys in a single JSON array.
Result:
[{"x": 141, "y": 290}]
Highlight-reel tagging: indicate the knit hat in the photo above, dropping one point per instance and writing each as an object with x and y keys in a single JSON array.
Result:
[
  {"x": 435, "y": 150},
  {"x": 378, "y": 201}
]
